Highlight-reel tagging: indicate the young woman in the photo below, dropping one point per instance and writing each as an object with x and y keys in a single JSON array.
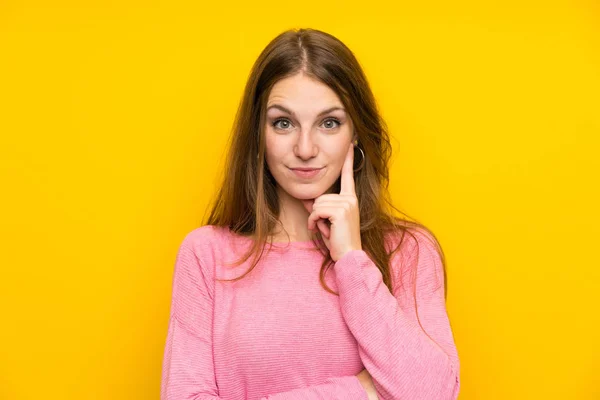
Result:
[{"x": 327, "y": 306}]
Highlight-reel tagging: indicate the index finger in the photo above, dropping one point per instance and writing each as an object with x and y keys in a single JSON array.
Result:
[{"x": 347, "y": 181}]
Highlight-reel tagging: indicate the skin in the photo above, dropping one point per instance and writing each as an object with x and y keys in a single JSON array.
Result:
[
  {"x": 301, "y": 137},
  {"x": 304, "y": 140}
]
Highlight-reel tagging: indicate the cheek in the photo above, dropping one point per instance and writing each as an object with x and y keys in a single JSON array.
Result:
[
  {"x": 274, "y": 153},
  {"x": 341, "y": 151}
]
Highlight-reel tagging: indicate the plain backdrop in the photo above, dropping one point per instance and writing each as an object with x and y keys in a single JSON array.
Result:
[{"x": 113, "y": 122}]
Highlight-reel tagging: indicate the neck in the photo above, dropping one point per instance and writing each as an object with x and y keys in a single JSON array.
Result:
[{"x": 293, "y": 219}]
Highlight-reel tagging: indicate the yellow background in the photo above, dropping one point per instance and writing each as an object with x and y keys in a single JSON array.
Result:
[{"x": 113, "y": 120}]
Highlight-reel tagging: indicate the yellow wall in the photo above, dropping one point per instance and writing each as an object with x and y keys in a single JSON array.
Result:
[{"x": 113, "y": 119}]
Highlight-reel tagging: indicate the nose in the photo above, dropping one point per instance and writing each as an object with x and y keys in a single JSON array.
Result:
[{"x": 305, "y": 147}]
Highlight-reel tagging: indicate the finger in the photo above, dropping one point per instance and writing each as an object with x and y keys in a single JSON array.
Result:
[
  {"x": 326, "y": 197},
  {"x": 340, "y": 202},
  {"x": 322, "y": 224},
  {"x": 330, "y": 214},
  {"x": 347, "y": 181},
  {"x": 317, "y": 213},
  {"x": 308, "y": 204}
]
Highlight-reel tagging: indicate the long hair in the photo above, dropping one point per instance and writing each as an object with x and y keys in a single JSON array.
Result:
[{"x": 247, "y": 201}]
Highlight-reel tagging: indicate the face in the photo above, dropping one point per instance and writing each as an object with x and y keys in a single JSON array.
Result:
[{"x": 306, "y": 127}]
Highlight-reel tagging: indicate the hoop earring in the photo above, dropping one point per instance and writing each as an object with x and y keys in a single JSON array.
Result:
[{"x": 362, "y": 162}]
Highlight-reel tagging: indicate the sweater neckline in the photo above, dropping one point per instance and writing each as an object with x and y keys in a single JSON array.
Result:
[{"x": 301, "y": 244}]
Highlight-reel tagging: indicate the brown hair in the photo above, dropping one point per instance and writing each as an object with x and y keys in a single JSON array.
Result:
[{"x": 247, "y": 202}]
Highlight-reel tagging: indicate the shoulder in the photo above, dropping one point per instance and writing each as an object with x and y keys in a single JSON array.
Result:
[
  {"x": 203, "y": 236},
  {"x": 412, "y": 241},
  {"x": 215, "y": 247},
  {"x": 420, "y": 255},
  {"x": 204, "y": 244}
]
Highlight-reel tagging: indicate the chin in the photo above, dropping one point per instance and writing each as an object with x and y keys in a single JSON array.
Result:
[{"x": 304, "y": 192}]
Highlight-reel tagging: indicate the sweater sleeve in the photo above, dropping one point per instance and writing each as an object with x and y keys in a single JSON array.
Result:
[
  {"x": 404, "y": 361},
  {"x": 187, "y": 368},
  {"x": 342, "y": 388}
]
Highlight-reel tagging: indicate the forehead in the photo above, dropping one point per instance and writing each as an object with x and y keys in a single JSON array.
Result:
[{"x": 302, "y": 92}]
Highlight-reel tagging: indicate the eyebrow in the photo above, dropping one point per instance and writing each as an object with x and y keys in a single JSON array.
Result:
[{"x": 282, "y": 108}]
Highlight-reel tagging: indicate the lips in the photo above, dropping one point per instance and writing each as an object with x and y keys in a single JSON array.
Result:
[{"x": 306, "y": 172}]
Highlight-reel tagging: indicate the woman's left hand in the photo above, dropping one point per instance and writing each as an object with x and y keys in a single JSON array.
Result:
[
  {"x": 365, "y": 379},
  {"x": 342, "y": 212}
]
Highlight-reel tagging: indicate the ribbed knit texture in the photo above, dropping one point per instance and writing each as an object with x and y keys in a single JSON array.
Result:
[{"x": 277, "y": 334}]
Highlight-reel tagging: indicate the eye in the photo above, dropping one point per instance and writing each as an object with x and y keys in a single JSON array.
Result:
[
  {"x": 286, "y": 124},
  {"x": 330, "y": 123}
]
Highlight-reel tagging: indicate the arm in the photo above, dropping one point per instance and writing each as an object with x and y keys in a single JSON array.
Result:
[
  {"x": 187, "y": 370},
  {"x": 342, "y": 388},
  {"x": 404, "y": 361}
]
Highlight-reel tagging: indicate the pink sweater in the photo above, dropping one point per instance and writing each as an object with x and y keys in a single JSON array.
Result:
[{"x": 277, "y": 334}]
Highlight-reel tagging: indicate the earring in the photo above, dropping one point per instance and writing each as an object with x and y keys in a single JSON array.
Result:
[{"x": 362, "y": 162}]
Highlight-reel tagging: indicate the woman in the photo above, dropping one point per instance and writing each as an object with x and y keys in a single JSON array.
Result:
[{"x": 328, "y": 309}]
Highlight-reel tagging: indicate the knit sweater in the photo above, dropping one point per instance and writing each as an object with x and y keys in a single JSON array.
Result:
[{"x": 277, "y": 334}]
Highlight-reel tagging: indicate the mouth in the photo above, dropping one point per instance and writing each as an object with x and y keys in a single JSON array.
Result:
[{"x": 306, "y": 173}]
